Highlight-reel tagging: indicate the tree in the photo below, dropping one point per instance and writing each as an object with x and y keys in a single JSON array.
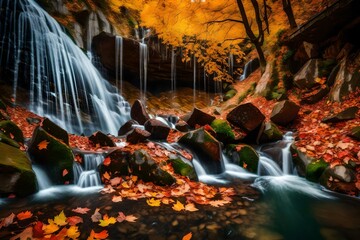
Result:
[{"x": 289, "y": 13}]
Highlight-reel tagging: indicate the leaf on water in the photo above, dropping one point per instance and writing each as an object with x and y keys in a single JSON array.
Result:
[
  {"x": 24, "y": 215},
  {"x": 65, "y": 172},
  {"x": 106, "y": 221},
  {"x": 7, "y": 221},
  {"x": 50, "y": 228},
  {"x": 24, "y": 235},
  {"x": 60, "y": 219},
  {"x": 107, "y": 161},
  {"x": 101, "y": 235},
  {"x": 131, "y": 218},
  {"x": 178, "y": 206},
  {"x": 218, "y": 203},
  {"x": 187, "y": 236},
  {"x": 96, "y": 216},
  {"x": 81, "y": 210},
  {"x": 121, "y": 217},
  {"x": 116, "y": 199},
  {"x": 190, "y": 207},
  {"x": 153, "y": 202},
  {"x": 43, "y": 145},
  {"x": 73, "y": 232},
  {"x": 73, "y": 220}
]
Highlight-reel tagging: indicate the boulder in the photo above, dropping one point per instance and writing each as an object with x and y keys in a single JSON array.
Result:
[
  {"x": 54, "y": 155},
  {"x": 347, "y": 114},
  {"x": 12, "y": 131},
  {"x": 355, "y": 133},
  {"x": 315, "y": 95},
  {"x": 119, "y": 163},
  {"x": 270, "y": 133},
  {"x": 157, "y": 129},
  {"x": 206, "y": 147},
  {"x": 243, "y": 155},
  {"x": 143, "y": 166},
  {"x": 33, "y": 121},
  {"x": 55, "y": 130},
  {"x": 183, "y": 167},
  {"x": 4, "y": 115},
  {"x": 315, "y": 169},
  {"x": 246, "y": 116},
  {"x": 127, "y": 127},
  {"x": 230, "y": 94},
  {"x": 305, "y": 77},
  {"x": 263, "y": 88},
  {"x": 101, "y": 139},
  {"x": 5, "y": 139},
  {"x": 198, "y": 117},
  {"x": 182, "y": 126},
  {"x": 284, "y": 112},
  {"x": 300, "y": 160},
  {"x": 340, "y": 179},
  {"x": 16, "y": 175},
  {"x": 138, "y": 112},
  {"x": 137, "y": 135},
  {"x": 223, "y": 130}
]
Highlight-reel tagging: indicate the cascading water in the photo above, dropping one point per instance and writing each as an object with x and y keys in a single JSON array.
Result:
[
  {"x": 43, "y": 180},
  {"x": 87, "y": 175},
  {"x": 250, "y": 67},
  {"x": 144, "y": 55},
  {"x": 119, "y": 62},
  {"x": 63, "y": 84}
]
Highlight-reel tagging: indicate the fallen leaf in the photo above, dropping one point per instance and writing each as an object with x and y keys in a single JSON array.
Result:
[
  {"x": 96, "y": 216},
  {"x": 106, "y": 175},
  {"x": 178, "y": 206},
  {"x": 73, "y": 220},
  {"x": 121, "y": 217},
  {"x": 187, "y": 236},
  {"x": 43, "y": 145},
  {"x": 81, "y": 210},
  {"x": 106, "y": 221},
  {"x": 38, "y": 232},
  {"x": 50, "y": 228},
  {"x": 131, "y": 218},
  {"x": 153, "y": 202},
  {"x": 101, "y": 235},
  {"x": 107, "y": 161},
  {"x": 7, "y": 221},
  {"x": 218, "y": 203},
  {"x": 190, "y": 207},
  {"x": 24, "y": 215},
  {"x": 60, "y": 219},
  {"x": 65, "y": 172},
  {"x": 116, "y": 199},
  {"x": 115, "y": 181},
  {"x": 24, "y": 235},
  {"x": 73, "y": 232}
]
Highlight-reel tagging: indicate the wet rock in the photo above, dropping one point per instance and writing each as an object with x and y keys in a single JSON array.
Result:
[
  {"x": 198, "y": 117},
  {"x": 5, "y": 139},
  {"x": 16, "y": 175},
  {"x": 137, "y": 135},
  {"x": 300, "y": 159},
  {"x": 2, "y": 105},
  {"x": 347, "y": 114},
  {"x": 315, "y": 169},
  {"x": 158, "y": 129},
  {"x": 33, "y": 121},
  {"x": 12, "y": 131},
  {"x": 284, "y": 112},
  {"x": 55, "y": 130},
  {"x": 182, "y": 126},
  {"x": 246, "y": 116},
  {"x": 206, "y": 147},
  {"x": 4, "y": 116},
  {"x": 243, "y": 155},
  {"x": 54, "y": 155},
  {"x": 138, "y": 112},
  {"x": 305, "y": 77},
  {"x": 355, "y": 133},
  {"x": 315, "y": 95},
  {"x": 270, "y": 133},
  {"x": 127, "y": 127},
  {"x": 340, "y": 179},
  {"x": 230, "y": 94},
  {"x": 143, "y": 166},
  {"x": 119, "y": 163},
  {"x": 223, "y": 131},
  {"x": 101, "y": 139},
  {"x": 183, "y": 167}
]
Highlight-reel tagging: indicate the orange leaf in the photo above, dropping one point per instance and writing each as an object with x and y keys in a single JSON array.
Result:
[
  {"x": 178, "y": 206},
  {"x": 187, "y": 236},
  {"x": 106, "y": 175},
  {"x": 65, "y": 172},
  {"x": 43, "y": 145},
  {"x": 81, "y": 210},
  {"x": 107, "y": 161},
  {"x": 116, "y": 199},
  {"x": 190, "y": 207},
  {"x": 101, "y": 235},
  {"x": 24, "y": 215},
  {"x": 73, "y": 220}
]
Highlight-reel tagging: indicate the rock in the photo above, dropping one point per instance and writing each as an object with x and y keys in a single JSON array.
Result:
[
  {"x": 12, "y": 131},
  {"x": 16, "y": 175},
  {"x": 4, "y": 116},
  {"x": 340, "y": 179},
  {"x": 55, "y": 130},
  {"x": 101, "y": 139},
  {"x": 127, "y": 127},
  {"x": 243, "y": 155},
  {"x": 263, "y": 88},
  {"x": 198, "y": 117},
  {"x": 157, "y": 129},
  {"x": 300, "y": 159},
  {"x": 315, "y": 169},
  {"x": 119, "y": 163},
  {"x": 137, "y": 135},
  {"x": 54, "y": 155},
  {"x": 182, "y": 126},
  {"x": 143, "y": 166},
  {"x": 355, "y": 133},
  {"x": 206, "y": 147},
  {"x": 33, "y": 121},
  {"x": 2, "y": 105},
  {"x": 246, "y": 116},
  {"x": 284, "y": 112},
  {"x": 138, "y": 112},
  {"x": 223, "y": 130},
  {"x": 183, "y": 167},
  {"x": 270, "y": 133},
  {"x": 347, "y": 114},
  {"x": 230, "y": 94},
  {"x": 315, "y": 95},
  {"x": 5, "y": 139}
]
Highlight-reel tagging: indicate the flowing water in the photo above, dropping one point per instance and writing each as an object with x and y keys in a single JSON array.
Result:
[
  {"x": 119, "y": 63},
  {"x": 144, "y": 56},
  {"x": 87, "y": 175},
  {"x": 63, "y": 84}
]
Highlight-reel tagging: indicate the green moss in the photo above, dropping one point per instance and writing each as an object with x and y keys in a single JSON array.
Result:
[
  {"x": 271, "y": 133},
  {"x": 182, "y": 168},
  {"x": 243, "y": 155},
  {"x": 250, "y": 91},
  {"x": 5, "y": 139},
  {"x": 223, "y": 130},
  {"x": 12, "y": 131},
  {"x": 230, "y": 94},
  {"x": 315, "y": 169}
]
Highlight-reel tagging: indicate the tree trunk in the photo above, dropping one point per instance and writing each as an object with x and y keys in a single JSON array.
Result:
[
  {"x": 289, "y": 13},
  {"x": 261, "y": 55}
]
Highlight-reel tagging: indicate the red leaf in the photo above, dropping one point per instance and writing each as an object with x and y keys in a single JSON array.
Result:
[
  {"x": 38, "y": 232},
  {"x": 107, "y": 161},
  {"x": 65, "y": 172}
]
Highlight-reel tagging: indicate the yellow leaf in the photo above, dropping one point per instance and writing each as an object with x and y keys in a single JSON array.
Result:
[
  {"x": 106, "y": 221},
  {"x": 50, "y": 228},
  {"x": 73, "y": 232},
  {"x": 190, "y": 207},
  {"x": 153, "y": 202},
  {"x": 187, "y": 236},
  {"x": 43, "y": 145},
  {"x": 178, "y": 206},
  {"x": 60, "y": 219}
]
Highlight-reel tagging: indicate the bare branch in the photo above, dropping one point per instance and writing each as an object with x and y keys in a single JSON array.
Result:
[{"x": 224, "y": 20}]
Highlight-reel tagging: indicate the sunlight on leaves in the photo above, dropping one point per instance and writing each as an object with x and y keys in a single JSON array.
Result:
[
  {"x": 153, "y": 202},
  {"x": 178, "y": 206},
  {"x": 106, "y": 221}
]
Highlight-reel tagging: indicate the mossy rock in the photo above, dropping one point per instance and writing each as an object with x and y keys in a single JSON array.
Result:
[
  {"x": 315, "y": 169},
  {"x": 223, "y": 130},
  {"x": 5, "y": 139},
  {"x": 55, "y": 130},
  {"x": 11, "y": 130},
  {"x": 53, "y": 154},
  {"x": 2, "y": 105},
  {"x": 143, "y": 166},
  {"x": 271, "y": 133},
  {"x": 119, "y": 163},
  {"x": 16, "y": 175},
  {"x": 243, "y": 155},
  {"x": 355, "y": 133},
  {"x": 300, "y": 159},
  {"x": 183, "y": 167},
  {"x": 230, "y": 94}
]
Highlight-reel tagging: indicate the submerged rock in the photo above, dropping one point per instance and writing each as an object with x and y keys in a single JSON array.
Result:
[
  {"x": 284, "y": 112},
  {"x": 243, "y": 155},
  {"x": 347, "y": 114},
  {"x": 198, "y": 117},
  {"x": 55, "y": 130},
  {"x": 138, "y": 112},
  {"x": 16, "y": 175},
  {"x": 158, "y": 129},
  {"x": 246, "y": 116},
  {"x": 12, "y": 131},
  {"x": 101, "y": 139}
]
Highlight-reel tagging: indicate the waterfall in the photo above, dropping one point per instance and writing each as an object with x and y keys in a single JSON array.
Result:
[
  {"x": 231, "y": 64},
  {"x": 173, "y": 69},
  {"x": 249, "y": 68},
  {"x": 144, "y": 55},
  {"x": 42, "y": 178},
  {"x": 119, "y": 62},
  {"x": 63, "y": 84},
  {"x": 87, "y": 175}
]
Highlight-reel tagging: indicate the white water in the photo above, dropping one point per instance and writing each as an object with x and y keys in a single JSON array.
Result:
[
  {"x": 63, "y": 84},
  {"x": 87, "y": 175},
  {"x": 42, "y": 178},
  {"x": 144, "y": 55},
  {"x": 119, "y": 62}
]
